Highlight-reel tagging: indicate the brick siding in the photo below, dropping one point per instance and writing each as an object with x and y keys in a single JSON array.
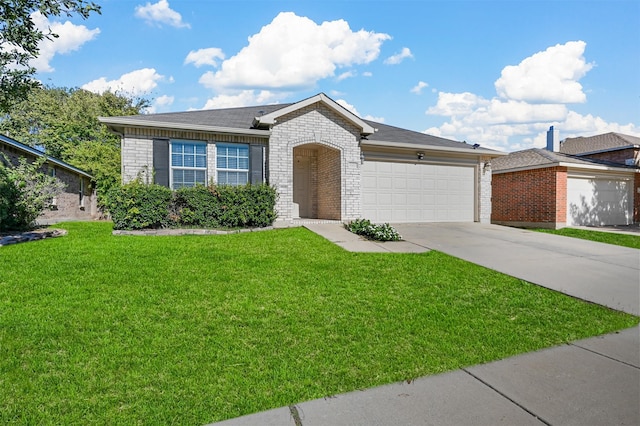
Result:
[
  {"x": 535, "y": 197},
  {"x": 618, "y": 156},
  {"x": 319, "y": 126}
]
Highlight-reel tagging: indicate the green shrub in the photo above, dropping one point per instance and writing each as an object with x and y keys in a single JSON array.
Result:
[
  {"x": 196, "y": 207},
  {"x": 364, "y": 227},
  {"x": 246, "y": 206},
  {"x": 140, "y": 206},
  {"x": 25, "y": 192}
]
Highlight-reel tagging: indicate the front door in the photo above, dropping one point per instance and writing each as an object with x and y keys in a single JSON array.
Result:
[{"x": 302, "y": 185}]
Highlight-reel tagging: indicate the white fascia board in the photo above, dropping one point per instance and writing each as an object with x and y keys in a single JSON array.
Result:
[
  {"x": 403, "y": 145},
  {"x": 271, "y": 118},
  {"x": 127, "y": 122},
  {"x": 573, "y": 166}
]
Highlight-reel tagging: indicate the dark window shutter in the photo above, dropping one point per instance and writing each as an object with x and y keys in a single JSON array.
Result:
[
  {"x": 161, "y": 162},
  {"x": 256, "y": 170}
]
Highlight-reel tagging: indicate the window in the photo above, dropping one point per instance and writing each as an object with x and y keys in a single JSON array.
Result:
[
  {"x": 232, "y": 164},
  {"x": 188, "y": 164},
  {"x": 81, "y": 194}
]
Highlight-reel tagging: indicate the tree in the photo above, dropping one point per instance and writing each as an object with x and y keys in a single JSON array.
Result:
[
  {"x": 25, "y": 192},
  {"x": 64, "y": 123},
  {"x": 20, "y": 38}
]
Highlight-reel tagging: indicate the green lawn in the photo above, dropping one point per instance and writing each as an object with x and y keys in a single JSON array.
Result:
[
  {"x": 102, "y": 329},
  {"x": 624, "y": 240}
]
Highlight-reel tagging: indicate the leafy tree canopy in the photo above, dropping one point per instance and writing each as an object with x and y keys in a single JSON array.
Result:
[
  {"x": 19, "y": 39},
  {"x": 64, "y": 122}
]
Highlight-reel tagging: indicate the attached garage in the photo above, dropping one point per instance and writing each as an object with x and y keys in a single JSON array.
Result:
[
  {"x": 413, "y": 192},
  {"x": 599, "y": 200}
]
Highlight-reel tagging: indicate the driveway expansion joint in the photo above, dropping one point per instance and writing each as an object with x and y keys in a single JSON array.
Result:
[{"x": 502, "y": 394}]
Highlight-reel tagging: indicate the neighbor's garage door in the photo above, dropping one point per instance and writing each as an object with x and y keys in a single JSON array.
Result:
[
  {"x": 599, "y": 201},
  {"x": 397, "y": 192}
]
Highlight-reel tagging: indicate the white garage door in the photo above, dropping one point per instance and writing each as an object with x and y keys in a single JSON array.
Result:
[
  {"x": 397, "y": 192},
  {"x": 599, "y": 201}
]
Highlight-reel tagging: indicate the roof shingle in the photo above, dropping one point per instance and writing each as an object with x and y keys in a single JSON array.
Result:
[{"x": 605, "y": 142}]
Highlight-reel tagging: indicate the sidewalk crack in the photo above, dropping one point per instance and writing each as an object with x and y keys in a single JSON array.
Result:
[
  {"x": 296, "y": 415},
  {"x": 506, "y": 397}
]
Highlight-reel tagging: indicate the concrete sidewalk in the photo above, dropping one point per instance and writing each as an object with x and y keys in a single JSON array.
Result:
[
  {"x": 594, "y": 381},
  {"x": 590, "y": 382}
]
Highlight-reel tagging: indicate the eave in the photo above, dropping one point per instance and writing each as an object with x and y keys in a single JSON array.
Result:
[{"x": 118, "y": 124}]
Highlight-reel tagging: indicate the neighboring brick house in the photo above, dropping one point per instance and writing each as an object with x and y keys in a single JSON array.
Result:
[
  {"x": 547, "y": 189},
  {"x": 613, "y": 147},
  {"x": 77, "y": 202},
  {"x": 324, "y": 161}
]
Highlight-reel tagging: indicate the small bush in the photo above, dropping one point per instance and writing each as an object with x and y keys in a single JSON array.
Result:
[
  {"x": 196, "y": 207},
  {"x": 25, "y": 192},
  {"x": 365, "y": 228},
  {"x": 140, "y": 206}
]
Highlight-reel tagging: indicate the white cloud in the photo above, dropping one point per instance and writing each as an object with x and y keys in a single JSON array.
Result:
[
  {"x": 70, "y": 38},
  {"x": 209, "y": 56},
  {"x": 367, "y": 74},
  {"x": 160, "y": 13},
  {"x": 160, "y": 104},
  {"x": 345, "y": 75},
  {"x": 134, "y": 83},
  {"x": 294, "y": 52},
  {"x": 524, "y": 108},
  {"x": 417, "y": 89},
  {"x": 164, "y": 100},
  {"x": 399, "y": 57},
  {"x": 243, "y": 98},
  {"x": 352, "y": 109},
  {"x": 547, "y": 77}
]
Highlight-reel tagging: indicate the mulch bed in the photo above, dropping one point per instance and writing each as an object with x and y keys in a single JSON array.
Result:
[{"x": 7, "y": 238}]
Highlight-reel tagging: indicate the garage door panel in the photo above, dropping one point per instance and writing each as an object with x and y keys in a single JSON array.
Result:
[
  {"x": 599, "y": 201},
  {"x": 396, "y": 192}
]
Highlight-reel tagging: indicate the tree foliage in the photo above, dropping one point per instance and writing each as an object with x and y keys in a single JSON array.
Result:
[
  {"x": 64, "y": 122},
  {"x": 20, "y": 38},
  {"x": 25, "y": 192}
]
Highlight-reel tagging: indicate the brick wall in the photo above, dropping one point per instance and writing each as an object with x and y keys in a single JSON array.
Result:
[
  {"x": 535, "y": 197},
  {"x": 319, "y": 125},
  {"x": 484, "y": 190},
  {"x": 636, "y": 198},
  {"x": 329, "y": 180},
  {"x": 137, "y": 149},
  {"x": 618, "y": 156}
]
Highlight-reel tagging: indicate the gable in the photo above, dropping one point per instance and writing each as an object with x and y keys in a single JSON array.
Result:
[{"x": 268, "y": 120}]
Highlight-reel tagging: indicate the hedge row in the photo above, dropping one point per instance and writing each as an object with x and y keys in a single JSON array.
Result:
[{"x": 141, "y": 206}]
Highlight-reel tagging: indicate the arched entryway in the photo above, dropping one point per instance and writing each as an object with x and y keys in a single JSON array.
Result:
[{"x": 317, "y": 182}]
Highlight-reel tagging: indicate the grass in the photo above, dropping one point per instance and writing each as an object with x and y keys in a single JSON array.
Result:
[
  {"x": 624, "y": 240},
  {"x": 102, "y": 329}
]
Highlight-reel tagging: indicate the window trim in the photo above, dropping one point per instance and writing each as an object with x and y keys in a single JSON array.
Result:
[
  {"x": 194, "y": 168},
  {"x": 236, "y": 170}
]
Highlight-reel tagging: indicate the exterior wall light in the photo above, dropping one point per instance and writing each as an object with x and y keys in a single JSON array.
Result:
[{"x": 420, "y": 155}]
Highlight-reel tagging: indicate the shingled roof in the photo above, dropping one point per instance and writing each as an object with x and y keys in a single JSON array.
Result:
[
  {"x": 537, "y": 157},
  {"x": 598, "y": 143},
  {"x": 242, "y": 119}
]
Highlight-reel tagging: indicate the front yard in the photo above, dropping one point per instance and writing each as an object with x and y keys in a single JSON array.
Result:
[{"x": 102, "y": 329}]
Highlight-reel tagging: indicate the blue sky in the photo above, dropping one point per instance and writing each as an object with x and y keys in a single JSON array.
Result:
[{"x": 498, "y": 73}]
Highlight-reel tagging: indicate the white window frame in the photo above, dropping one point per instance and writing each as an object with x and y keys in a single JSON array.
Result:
[
  {"x": 195, "y": 168},
  {"x": 81, "y": 193},
  {"x": 237, "y": 169}
]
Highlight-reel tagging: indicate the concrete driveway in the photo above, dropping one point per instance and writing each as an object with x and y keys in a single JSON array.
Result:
[{"x": 601, "y": 273}]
